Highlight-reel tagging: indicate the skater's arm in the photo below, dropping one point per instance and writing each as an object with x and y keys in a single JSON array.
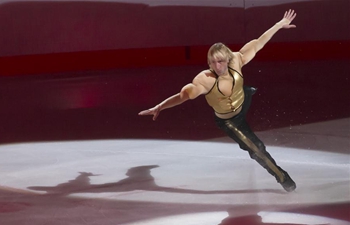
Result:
[
  {"x": 250, "y": 49},
  {"x": 189, "y": 91}
]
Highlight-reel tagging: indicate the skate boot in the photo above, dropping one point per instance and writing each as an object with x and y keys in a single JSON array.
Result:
[{"x": 288, "y": 184}]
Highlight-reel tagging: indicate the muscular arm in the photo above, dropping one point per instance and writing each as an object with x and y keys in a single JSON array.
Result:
[
  {"x": 189, "y": 91},
  {"x": 251, "y": 48}
]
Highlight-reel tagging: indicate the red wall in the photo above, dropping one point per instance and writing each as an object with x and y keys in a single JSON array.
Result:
[
  {"x": 82, "y": 70},
  {"x": 50, "y": 37}
]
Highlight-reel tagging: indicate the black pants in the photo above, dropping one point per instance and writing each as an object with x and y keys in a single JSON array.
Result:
[{"x": 238, "y": 129}]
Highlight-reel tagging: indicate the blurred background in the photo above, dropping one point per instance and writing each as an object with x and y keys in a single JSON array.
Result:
[{"x": 84, "y": 69}]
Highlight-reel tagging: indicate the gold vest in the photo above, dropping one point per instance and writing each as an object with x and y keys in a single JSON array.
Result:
[{"x": 226, "y": 104}]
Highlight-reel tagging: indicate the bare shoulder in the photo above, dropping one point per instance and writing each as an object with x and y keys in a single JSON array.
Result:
[
  {"x": 237, "y": 63},
  {"x": 206, "y": 78}
]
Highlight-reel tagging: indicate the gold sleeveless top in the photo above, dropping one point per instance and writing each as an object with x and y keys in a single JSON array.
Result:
[{"x": 226, "y": 104}]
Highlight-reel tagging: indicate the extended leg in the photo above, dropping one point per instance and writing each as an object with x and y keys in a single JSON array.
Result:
[{"x": 238, "y": 129}]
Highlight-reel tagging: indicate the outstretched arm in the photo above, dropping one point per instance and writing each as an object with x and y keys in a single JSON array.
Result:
[
  {"x": 172, "y": 101},
  {"x": 189, "y": 91},
  {"x": 251, "y": 48}
]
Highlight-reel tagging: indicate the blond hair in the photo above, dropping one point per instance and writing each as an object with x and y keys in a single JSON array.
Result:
[{"x": 219, "y": 50}]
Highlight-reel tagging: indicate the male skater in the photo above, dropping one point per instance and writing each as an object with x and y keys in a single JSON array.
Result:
[{"x": 222, "y": 85}]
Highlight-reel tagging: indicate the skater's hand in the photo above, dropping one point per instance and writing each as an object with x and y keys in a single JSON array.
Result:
[
  {"x": 152, "y": 111},
  {"x": 287, "y": 19}
]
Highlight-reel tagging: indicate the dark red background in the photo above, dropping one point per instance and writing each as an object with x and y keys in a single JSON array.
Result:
[{"x": 83, "y": 70}]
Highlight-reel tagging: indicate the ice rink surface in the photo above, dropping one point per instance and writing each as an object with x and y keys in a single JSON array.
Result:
[{"x": 153, "y": 182}]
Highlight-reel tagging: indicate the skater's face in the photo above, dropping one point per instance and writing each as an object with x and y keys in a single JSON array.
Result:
[
  {"x": 219, "y": 63},
  {"x": 219, "y": 56}
]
